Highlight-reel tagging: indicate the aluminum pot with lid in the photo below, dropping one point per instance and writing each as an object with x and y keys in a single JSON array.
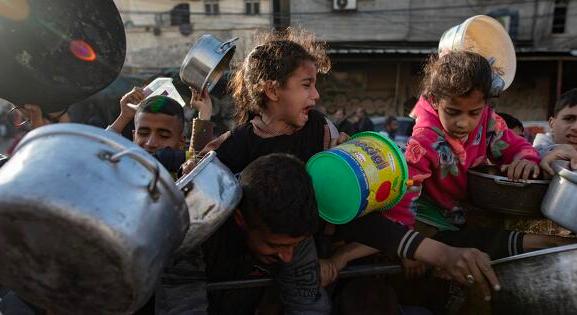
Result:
[
  {"x": 88, "y": 220},
  {"x": 543, "y": 282},
  {"x": 206, "y": 62},
  {"x": 560, "y": 202}
]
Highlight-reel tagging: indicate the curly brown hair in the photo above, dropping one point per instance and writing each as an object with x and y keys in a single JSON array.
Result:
[
  {"x": 456, "y": 74},
  {"x": 275, "y": 57}
]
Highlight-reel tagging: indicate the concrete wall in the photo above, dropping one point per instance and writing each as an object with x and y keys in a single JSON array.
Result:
[
  {"x": 374, "y": 86},
  {"x": 167, "y": 49},
  {"x": 424, "y": 20}
]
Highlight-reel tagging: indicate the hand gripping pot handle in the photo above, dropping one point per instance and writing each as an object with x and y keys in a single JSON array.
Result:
[
  {"x": 153, "y": 167},
  {"x": 561, "y": 168}
]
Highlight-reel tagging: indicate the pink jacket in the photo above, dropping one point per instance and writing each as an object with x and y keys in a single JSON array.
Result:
[{"x": 440, "y": 162}]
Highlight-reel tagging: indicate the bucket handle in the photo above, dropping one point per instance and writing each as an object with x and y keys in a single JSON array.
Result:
[
  {"x": 152, "y": 187},
  {"x": 226, "y": 45}
]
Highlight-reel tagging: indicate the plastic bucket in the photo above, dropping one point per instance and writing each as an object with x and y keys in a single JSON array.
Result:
[{"x": 364, "y": 174}]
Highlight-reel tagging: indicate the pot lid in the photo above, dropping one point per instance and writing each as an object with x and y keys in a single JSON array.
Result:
[{"x": 58, "y": 52}]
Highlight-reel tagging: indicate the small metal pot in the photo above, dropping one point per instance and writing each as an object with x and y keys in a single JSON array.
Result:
[
  {"x": 206, "y": 61},
  {"x": 212, "y": 193},
  {"x": 543, "y": 282},
  {"x": 88, "y": 221},
  {"x": 490, "y": 191},
  {"x": 560, "y": 202}
]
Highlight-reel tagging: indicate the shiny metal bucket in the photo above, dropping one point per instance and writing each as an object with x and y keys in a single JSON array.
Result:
[
  {"x": 88, "y": 221},
  {"x": 206, "y": 62},
  {"x": 543, "y": 282},
  {"x": 212, "y": 194},
  {"x": 560, "y": 202}
]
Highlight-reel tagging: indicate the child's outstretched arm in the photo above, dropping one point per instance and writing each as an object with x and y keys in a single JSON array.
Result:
[{"x": 515, "y": 155}]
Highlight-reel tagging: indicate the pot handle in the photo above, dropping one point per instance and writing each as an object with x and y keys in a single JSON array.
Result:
[
  {"x": 153, "y": 167},
  {"x": 563, "y": 169},
  {"x": 506, "y": 182},
  {"x": 224, "y": 46}
]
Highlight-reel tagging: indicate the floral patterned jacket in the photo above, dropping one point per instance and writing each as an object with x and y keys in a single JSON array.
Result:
[{"x": 438, "y": 163}]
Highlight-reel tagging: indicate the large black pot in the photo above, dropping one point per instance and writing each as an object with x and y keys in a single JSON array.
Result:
[
  {"x": 538, "y": 283},
  {"x": 57, "y": 52}
]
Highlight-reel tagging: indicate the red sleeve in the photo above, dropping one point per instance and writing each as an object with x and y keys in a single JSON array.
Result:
[
  {"x": 504, "y": 146},
  {"x": 420, "y": 162}
]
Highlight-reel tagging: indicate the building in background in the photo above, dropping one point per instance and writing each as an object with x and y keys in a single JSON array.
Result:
[
  {"x": 378, "y": 48},
  {"x": 160, "y": 32}
]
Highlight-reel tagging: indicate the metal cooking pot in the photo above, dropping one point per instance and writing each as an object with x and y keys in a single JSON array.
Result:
[
  {"x": 58, "y": 52},
  {"x": 206, "y": 61},
  {"x": 560, "y": 202},
  {"x": 87, "y": 221},
  {"x": 212, "y": 193},
  {"x": 540, "y": 282},
  {"x": 490, "y": 191}
]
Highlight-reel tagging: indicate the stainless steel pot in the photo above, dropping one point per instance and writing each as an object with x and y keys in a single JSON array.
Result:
[
  {"x": 212, "y": 193},
  {"x": 490, "y": 191},
  {"x": 206, "y": 61},
  {"x": 560, "y": 202},
  {"x": 87, "y": 221},
  {"x": 540, "y": 282}
]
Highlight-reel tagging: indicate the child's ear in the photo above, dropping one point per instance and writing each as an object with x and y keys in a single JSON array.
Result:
[
  {"x": 271, "y": 90},
  {"x": 239, "y": 219},
  {"x": 434, "y": 102}
]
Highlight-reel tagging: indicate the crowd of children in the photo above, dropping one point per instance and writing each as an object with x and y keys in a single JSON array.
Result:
[{"x": 276, "y": 230}]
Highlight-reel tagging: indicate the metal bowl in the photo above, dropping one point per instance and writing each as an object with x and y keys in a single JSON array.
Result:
[
  {"x": 490, "y": 191},
  {"x": 540, "y": 282}
]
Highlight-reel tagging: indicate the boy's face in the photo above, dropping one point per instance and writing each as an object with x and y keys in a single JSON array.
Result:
[
  {"x": 154, "y": 131},
  {"x": 564, "y": 126},
  {"x": 272, "y": 248},
  {"x": 298, "y": 97},
  {"x": 461, "y": 115}
]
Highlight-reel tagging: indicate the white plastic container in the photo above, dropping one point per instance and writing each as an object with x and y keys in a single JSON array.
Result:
[{"x": 162, "y": 86}]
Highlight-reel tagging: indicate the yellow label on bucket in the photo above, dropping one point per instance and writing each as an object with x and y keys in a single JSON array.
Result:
[{"x": 378, "y": 170}]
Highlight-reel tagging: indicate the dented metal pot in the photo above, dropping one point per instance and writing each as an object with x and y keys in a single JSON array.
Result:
[{"x": 88, "y": 221}]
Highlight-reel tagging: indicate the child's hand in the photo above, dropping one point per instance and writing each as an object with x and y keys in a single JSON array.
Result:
[
  {"x": 470, "y": 266},
  {"x": 414, "y": 269},
  {"x": 521, "y": 169},
  {"x": 330, "y": 269},
  {"x": 134, "y": 97},
  {"x": 560, "y": 152},
  {"x": 202, "y": 103}
]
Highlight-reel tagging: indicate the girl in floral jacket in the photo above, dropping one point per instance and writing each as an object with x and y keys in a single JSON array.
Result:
[{"x": 456, "y": 130}]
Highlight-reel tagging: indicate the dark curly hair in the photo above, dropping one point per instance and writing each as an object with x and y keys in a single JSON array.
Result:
[
  {"x": 456, "y": 74},
  {"x": 276, "y": 56},
  {"x": 278, "y": 195},
  {"x": 567, "y": 99}
]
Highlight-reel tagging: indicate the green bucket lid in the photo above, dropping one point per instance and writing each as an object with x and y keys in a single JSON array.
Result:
[{"x": 336, "y": 187}]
